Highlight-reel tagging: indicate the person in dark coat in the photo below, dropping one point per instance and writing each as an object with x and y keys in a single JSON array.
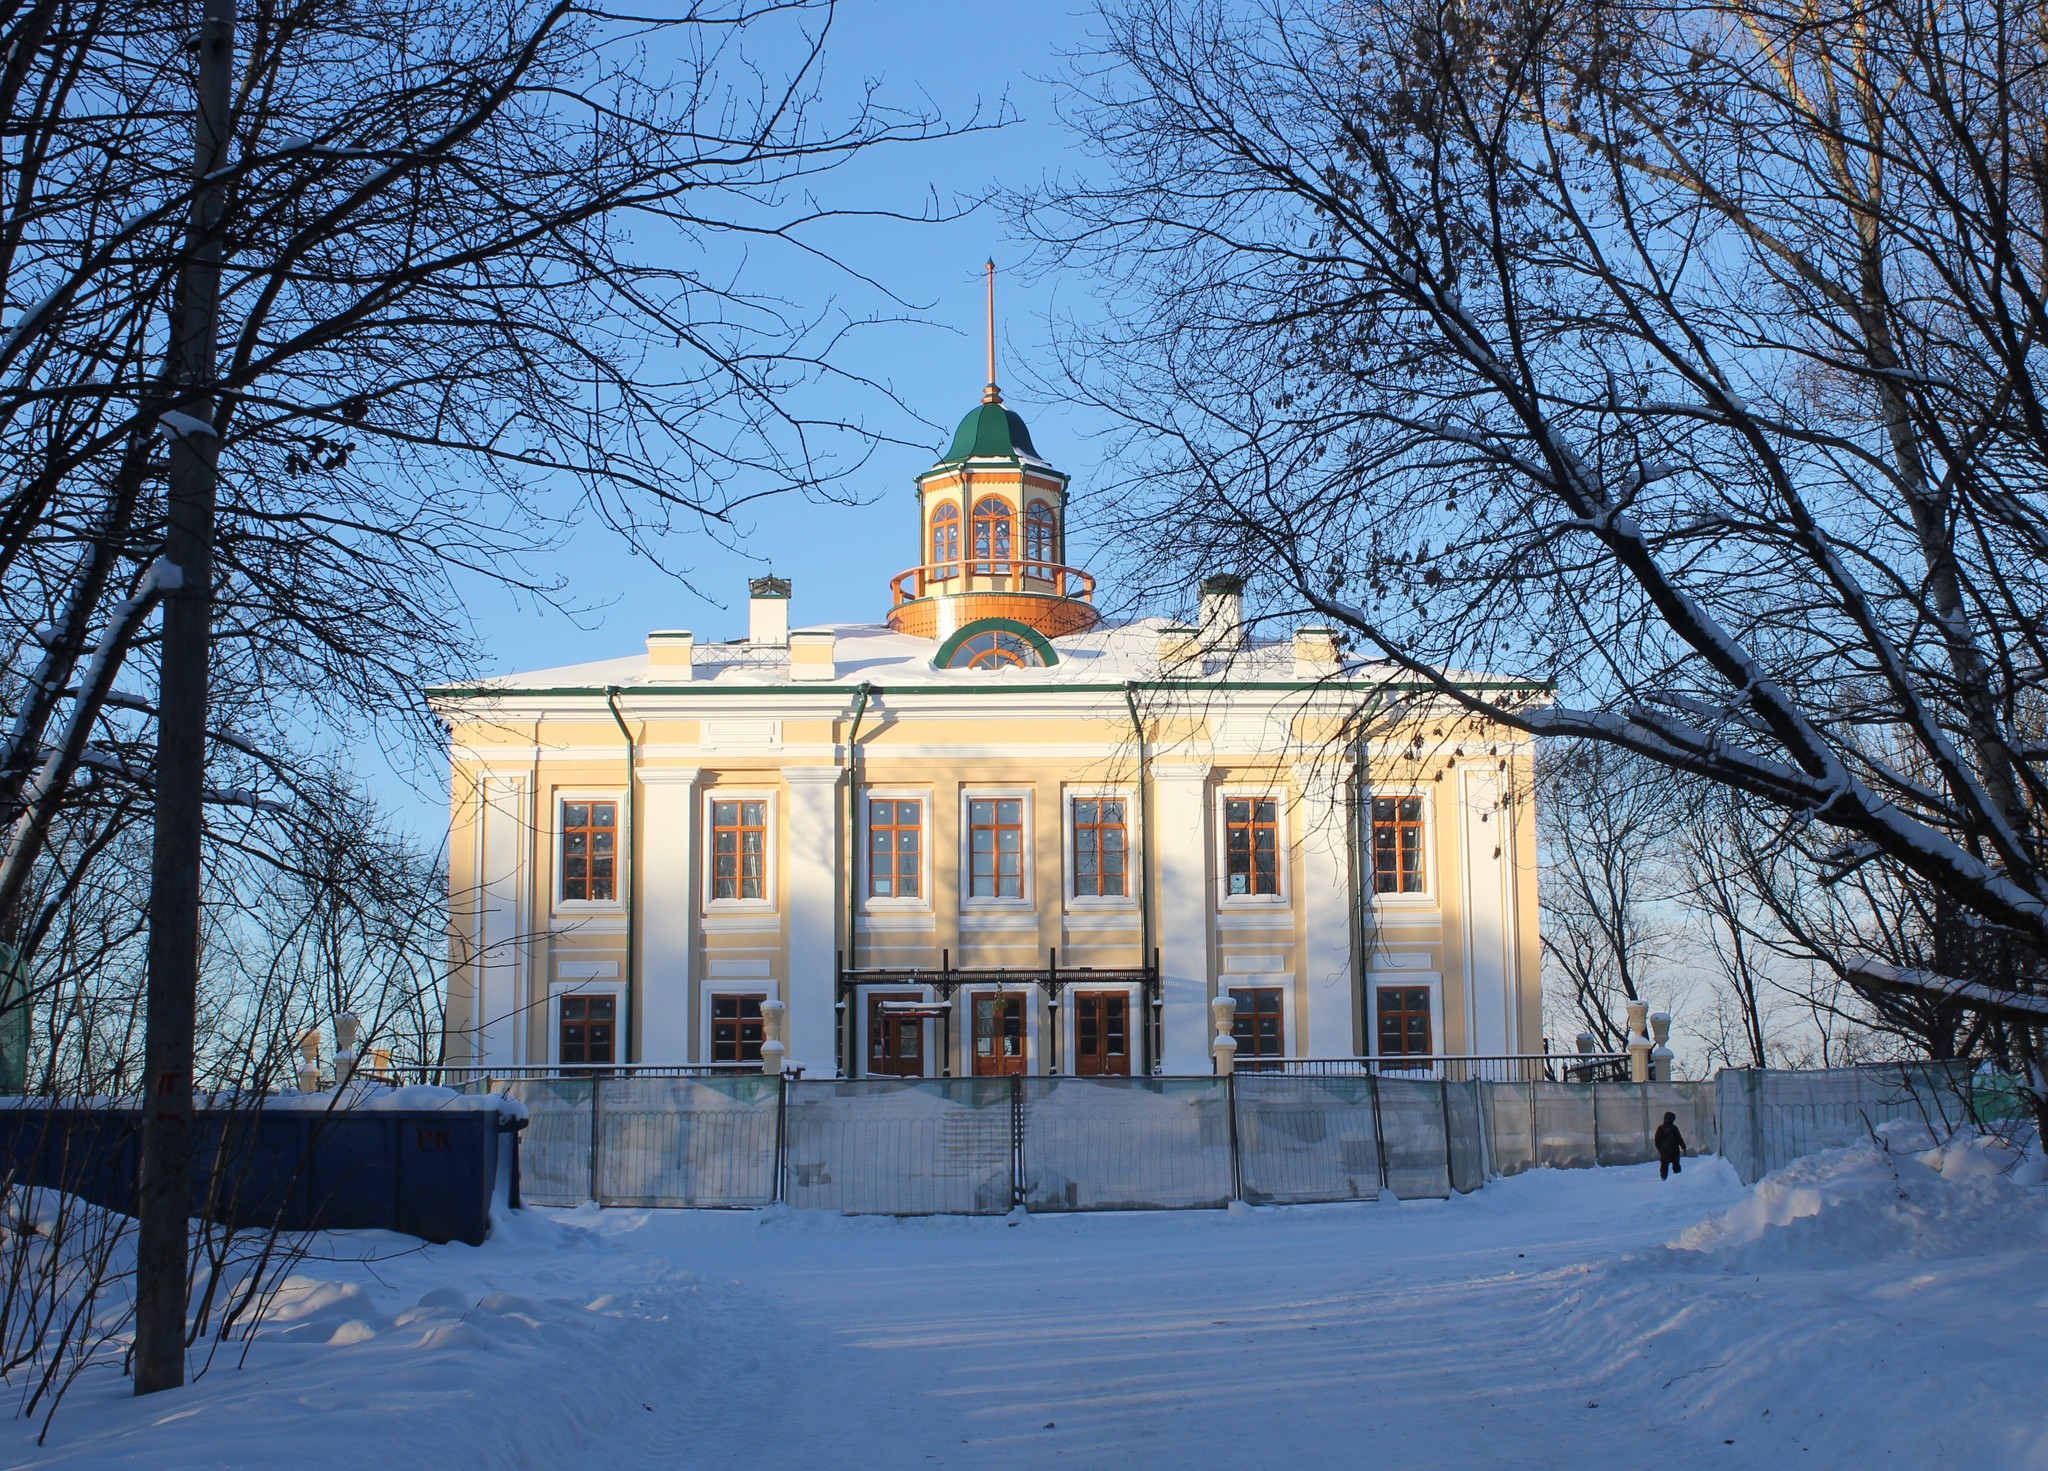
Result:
[{"x": 1670, "y": 1147}]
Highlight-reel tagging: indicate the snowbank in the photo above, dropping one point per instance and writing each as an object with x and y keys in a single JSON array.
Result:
[
  {"x": 1869, "y": 1303},
  {"x": 1903, "y": 1199}
]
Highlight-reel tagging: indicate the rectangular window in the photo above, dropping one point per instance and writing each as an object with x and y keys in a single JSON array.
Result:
[
  {"x": 1258, "y": 1025},
  {"x": 588, "y": 1026},
  {"x": 1397, "y": 845},
  {"x": 739, "y": 850},
  {"x": 1251, "y": 845},
  {"x": 895, "y": 848},
  {"x": 1404, "y": 1021},
  {"x": 736, "y": 1028},
  {"x": 998, "y": 1035},
  {"x": 590, "y": 850},
  {"x": 995, "y": 848},
  {"x": 895, "y": 1041},
  {"x": 1102, "y": 1046},
  {"x": 1101, "y": 848}
]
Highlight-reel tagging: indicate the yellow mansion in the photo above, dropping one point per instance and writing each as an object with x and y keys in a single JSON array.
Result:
[{"x": 991, "y": 834}]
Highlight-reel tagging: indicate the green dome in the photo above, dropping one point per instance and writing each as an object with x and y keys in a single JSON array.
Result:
[{"x": 990, "y": 432}]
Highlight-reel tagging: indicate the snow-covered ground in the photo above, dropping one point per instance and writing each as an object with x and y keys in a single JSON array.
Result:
[{"x": 1856, "y": 1310}]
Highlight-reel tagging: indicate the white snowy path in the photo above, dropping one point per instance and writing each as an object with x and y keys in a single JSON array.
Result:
[{"x": 1510, "y": 1328}]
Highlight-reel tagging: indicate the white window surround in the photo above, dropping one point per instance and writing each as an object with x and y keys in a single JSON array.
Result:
[
  {"x": 1290, "y": 1037},
  {"x": 1027, "y": 862},
  {"x": 772, "y": 841},
  {"x": 1427, "y": 898},
  {"x": 1134, "y": 1045},
  {"x": 870, "y": 902},
  {"x": 1374, "y": 979},
  {"x": 765, "y": 988},
  {"x": 1079, "y": 902},
  {"x": 612, "y": 988},
  {"x": 1283, "y": 843},
  {"x": 621, "y": 857}
]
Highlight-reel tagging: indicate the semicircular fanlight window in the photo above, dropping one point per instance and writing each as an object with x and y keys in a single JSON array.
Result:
[{"x": 995, "y": 649}]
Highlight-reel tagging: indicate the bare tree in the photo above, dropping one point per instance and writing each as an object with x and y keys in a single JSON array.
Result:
[
  {"x": 1682, "y": 355},
  {"x": 443, "y": 279},
  {"x": 1611, "y": 930}
]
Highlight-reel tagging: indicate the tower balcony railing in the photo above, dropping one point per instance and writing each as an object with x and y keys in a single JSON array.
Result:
[{"x": 992, "y": 574}]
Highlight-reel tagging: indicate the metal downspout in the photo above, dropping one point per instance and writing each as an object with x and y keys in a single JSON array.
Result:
[
  {"x": 844, "y": 1002},
  {"x": 1358, "y": 829},
  {"x": 1144, "y": 869},
  {"x": 632, "y": 836}
]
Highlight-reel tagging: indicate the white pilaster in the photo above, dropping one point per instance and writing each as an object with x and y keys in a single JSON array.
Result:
[
  {"x": 1328, "y": 1021},
  {"x": 813, "y": 919},
  {"x": 668, "y": 912},
  {"x": 1181, "y": 819},
  {"x": 1486, "y": 831},
  {"x": 501, "y": 948}
]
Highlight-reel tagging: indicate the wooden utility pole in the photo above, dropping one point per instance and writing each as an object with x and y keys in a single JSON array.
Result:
[{"x": 165, "y": 1195}]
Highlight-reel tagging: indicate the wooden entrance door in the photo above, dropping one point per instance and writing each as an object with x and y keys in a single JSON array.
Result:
[
  {"x": 1102, "y": 1034},
  {"x": 998, "y": 1035},
  {"x": 895, "y": 1043}
]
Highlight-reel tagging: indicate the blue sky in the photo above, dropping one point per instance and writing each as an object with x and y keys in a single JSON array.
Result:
[
  {"x": 957, "y": 60},
  {"x": 841, "y": 557}
]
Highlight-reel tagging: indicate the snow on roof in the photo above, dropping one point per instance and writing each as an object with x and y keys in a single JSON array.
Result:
[{"x": 873, "y": 652}]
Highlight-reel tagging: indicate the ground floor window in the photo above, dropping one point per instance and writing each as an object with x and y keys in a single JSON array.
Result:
[
  {"x": 1259, "y": 1025},
  {"x": 998, "y": 1035},
  {"x": 1404, "y": 1021},
  {"x": 589, "y": 1026},
  {"x": 736, "y": 1028},
  {"x": 895, "y": 1042},
  {"x": 1102, "y": 1034}
]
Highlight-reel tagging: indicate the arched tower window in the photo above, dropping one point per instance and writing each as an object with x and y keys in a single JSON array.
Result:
[
  {"x": 945, "y": 559},
  {"x": 994, "y": 532},
  {"x": 1038, "y": 539}
]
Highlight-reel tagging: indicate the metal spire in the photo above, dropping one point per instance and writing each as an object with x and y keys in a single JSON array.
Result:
[{"x": 991, "y": 394}]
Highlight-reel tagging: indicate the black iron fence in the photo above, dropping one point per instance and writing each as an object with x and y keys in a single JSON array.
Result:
[
  {"x": 1503, "y": 1067},
  {"x": 987, "y": 1145}
]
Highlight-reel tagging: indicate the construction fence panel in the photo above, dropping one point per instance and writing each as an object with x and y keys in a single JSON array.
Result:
[
  {"x": 1303, "y": 1139},
  {"x": 1465, "y": 1143},
  {"x": 1766, "y": 1118},
  {"x": 1510, "y": 1110},
  {"x": 1124, "y": 1143},
  {"x": 1564, "y": 1124},
  {"x": 1693, "y": 1102},
  {"x": 904, "y": 1147},
  {"x": 687, "y": 1141},
  {"x": 554, "y": 1148},
  {"x": 1621, "y": 1125},
  {"x": 1412, "y": 1131}
]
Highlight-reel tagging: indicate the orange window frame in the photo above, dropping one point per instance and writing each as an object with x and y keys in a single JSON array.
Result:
[
  {"x": 1259, "y": 1025},
  {"x": 945, "y": 561},
  {"x": 587, "y": 1030},
  {"x": 895, "y": 866},
  {"x": 589, "y": 875},
  {"x": 1251, "y": 846},
  {"x": 736, "y": 1027},
  {"x": 995, "y": 534},
  {"x": 739, "y": 848},
  {"x": 987, "y": 850},
  {"x": 1094, "y": 829},
  {"x": 1399, "y": 1009},
  {"x": 1039, "y": 529},
  {"x": 1399, "y": 850}
]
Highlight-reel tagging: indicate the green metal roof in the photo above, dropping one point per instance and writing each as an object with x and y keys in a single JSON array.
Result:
[{"x": 991, "y": 432}]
